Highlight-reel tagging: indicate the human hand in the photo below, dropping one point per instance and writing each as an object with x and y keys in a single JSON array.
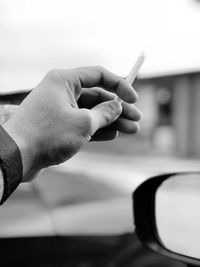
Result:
[
  {"x": 66, "y": 110},
  {"x": 6, "y": 111}
]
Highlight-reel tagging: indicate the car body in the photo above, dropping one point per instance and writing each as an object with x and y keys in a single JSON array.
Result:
[{"x": 80, "y": 213}]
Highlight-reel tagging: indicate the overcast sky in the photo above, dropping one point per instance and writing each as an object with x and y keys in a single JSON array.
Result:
[{"x": 38, "y": 35}]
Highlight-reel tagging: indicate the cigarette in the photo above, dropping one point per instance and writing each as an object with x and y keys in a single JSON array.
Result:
[{"x": 134, "y": 71}]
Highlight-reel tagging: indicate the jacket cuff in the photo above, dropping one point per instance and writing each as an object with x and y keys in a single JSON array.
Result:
[{"x": 10, "y": 163}]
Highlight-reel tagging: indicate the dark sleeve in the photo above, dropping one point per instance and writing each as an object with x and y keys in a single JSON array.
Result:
[{"x": 10, "y": 164}]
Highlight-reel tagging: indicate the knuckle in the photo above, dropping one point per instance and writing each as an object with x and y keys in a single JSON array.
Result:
[
  {"x": 54, "y": 74},
  {"x": 101, "y": 69},
  {"x": 106, "y": 116},
  {"x": 112, "y": 111},
  {"x": 108, "y": 119}
]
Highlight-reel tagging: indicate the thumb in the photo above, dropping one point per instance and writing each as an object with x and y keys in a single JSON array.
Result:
[{"x": 105, "y": 114}]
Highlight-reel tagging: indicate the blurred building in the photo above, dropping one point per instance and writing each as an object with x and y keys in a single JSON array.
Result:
[{"x": 170, "y": 104}]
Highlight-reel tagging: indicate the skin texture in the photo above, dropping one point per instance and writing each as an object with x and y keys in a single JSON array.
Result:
[{"x": 67, "y": 109}]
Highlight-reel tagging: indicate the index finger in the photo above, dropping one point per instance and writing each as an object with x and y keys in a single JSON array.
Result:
[{"x": 101, "y": 77}]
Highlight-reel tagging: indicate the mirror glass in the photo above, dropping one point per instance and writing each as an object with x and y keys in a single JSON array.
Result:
[{"x": 177, "y": 211}]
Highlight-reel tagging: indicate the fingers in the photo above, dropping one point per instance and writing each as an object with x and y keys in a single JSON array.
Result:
[
  {"x": 99, "y": 77},
  {"x": 102, "y": 122},
  {"x": 104, "y": 135},
  {"x": 92, "y": 97},
  {"x": 131, "y": 112},
  {"x": 104, "y": 114},
  {"x": 111, "y": 132},
  {"x": 125, "y": 126}
]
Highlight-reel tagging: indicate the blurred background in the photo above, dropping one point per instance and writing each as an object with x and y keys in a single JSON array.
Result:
[
  {"x": 91, "y": 193},
  {"x": 37, "y": 36}
]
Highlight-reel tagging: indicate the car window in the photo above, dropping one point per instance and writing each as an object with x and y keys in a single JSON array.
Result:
[{"x": 94, "y": 188}]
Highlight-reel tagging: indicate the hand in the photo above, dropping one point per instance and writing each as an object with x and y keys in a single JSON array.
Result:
[{"x": 65, "y": 111}]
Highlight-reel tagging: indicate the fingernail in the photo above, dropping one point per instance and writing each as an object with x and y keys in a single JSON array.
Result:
[
  {"x": 117, "y": 106},
  {"x": 117, "y": 99}
]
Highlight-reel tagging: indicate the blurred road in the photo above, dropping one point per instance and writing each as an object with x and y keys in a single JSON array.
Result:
[{"x": 89, "y": 194}]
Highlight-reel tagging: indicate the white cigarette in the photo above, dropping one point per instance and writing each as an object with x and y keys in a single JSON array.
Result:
[{"x": 134, "y": 71}]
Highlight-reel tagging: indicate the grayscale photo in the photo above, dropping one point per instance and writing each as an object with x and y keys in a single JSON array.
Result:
[{"x": 100, "y": 133}]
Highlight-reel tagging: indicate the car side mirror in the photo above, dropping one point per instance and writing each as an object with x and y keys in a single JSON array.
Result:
[{"x": 167, "y": 215}]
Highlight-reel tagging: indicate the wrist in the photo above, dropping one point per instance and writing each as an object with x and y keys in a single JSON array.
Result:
[{"x": 25, "y": 148}]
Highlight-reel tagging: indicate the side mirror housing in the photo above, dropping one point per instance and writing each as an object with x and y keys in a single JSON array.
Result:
[{"x": 167, "y": 215}]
